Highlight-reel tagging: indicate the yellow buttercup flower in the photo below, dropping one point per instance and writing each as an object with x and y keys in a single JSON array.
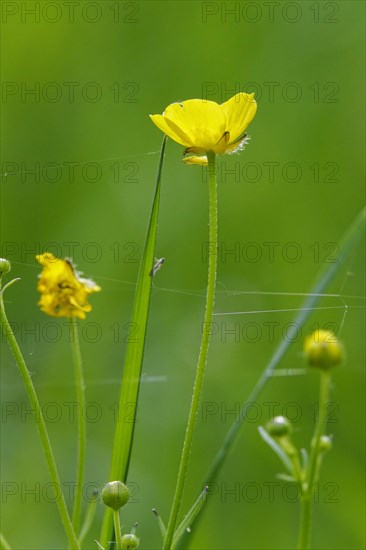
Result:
[
  {"x": 201, "y": 125},
  {"x": 63, "y": 292}
]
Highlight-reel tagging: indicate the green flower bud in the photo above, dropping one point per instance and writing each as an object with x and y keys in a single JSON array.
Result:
[
  {"x": 129, "y": 542},
  {"x": 325, "y": 443},
  {"x": 323, "y": 350},
  {"x": 5, "y": 266},
  {"x": 115, "y": 494},
  {"x": 279, "y": 426}
]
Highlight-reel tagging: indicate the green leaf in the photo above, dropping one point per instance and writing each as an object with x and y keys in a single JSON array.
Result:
[
  {"x": 285, "y": 477},
  {"x": 160, "y": 522},
  {"x": 189, "y": 518},
  {"x": 276, "y": 448},
  {"x": 134, "y": 357}
]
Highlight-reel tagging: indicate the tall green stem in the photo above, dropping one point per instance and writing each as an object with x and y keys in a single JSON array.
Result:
[
  {"x": 205, "y": 340},
  {"x": 306, "y": 502},
  {"x": 80, "y": 393},
  {"x": 41, "y": 425}
]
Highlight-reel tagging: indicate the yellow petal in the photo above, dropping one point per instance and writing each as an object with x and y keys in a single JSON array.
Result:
[
  {"x": 46, "y": 258},
  {"x": 202, "y": 121},
  {"x": 195, "y": 150},
  {"x": 239, "y": 112},
  {"x": 170, "y": 129},
  {"x": 221, "y": 146},
  {"x": 203, "y": 161}
]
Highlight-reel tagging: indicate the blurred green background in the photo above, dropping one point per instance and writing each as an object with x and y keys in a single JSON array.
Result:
[{"x": 97, "y": 70}]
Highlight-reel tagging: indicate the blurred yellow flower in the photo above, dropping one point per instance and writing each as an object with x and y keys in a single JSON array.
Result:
[
  {"x": 322, "y": 349},
  {"x": 201, "y": 125},
  {"x": 63, "y": 292}
]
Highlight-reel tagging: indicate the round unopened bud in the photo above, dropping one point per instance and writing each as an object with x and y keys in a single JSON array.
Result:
[
  {"x": 323, "y": 350},
  {"x": 5, "y": 266},
  {"x": 129, "y": 542},
  {"x": 115, "y": 494},
  {"x": 279, "y": 426},
  {"x": 325, "y": 443}
]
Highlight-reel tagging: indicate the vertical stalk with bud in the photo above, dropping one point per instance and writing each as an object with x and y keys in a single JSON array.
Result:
[{"x": 322, "y": 351}]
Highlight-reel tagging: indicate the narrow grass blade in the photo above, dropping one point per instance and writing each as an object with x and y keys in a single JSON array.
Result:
[
  {"x": 4, "y": 545},
  {"x": 326, "y": 275},
  {"x": 324, "y": 278},
  {"x": 276, "y": 448},
  {"x": 134, "y": 357}
]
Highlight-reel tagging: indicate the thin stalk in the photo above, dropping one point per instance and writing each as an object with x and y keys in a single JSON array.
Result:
[
  {"x": 41, "y": 425},
  {"x": 306, "y": 520},
  {"x": 319, "y": 427},
  {"x": 117, "y": 529},
  {"x": 205, "y": 340},
  {"x": 306, "y": 503},
  {"x": 89, "y": 517},
  {"x": 292, "y": 453},
  {"x": 297, "y": 468},
  {"x": 80, "y": 394}
]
